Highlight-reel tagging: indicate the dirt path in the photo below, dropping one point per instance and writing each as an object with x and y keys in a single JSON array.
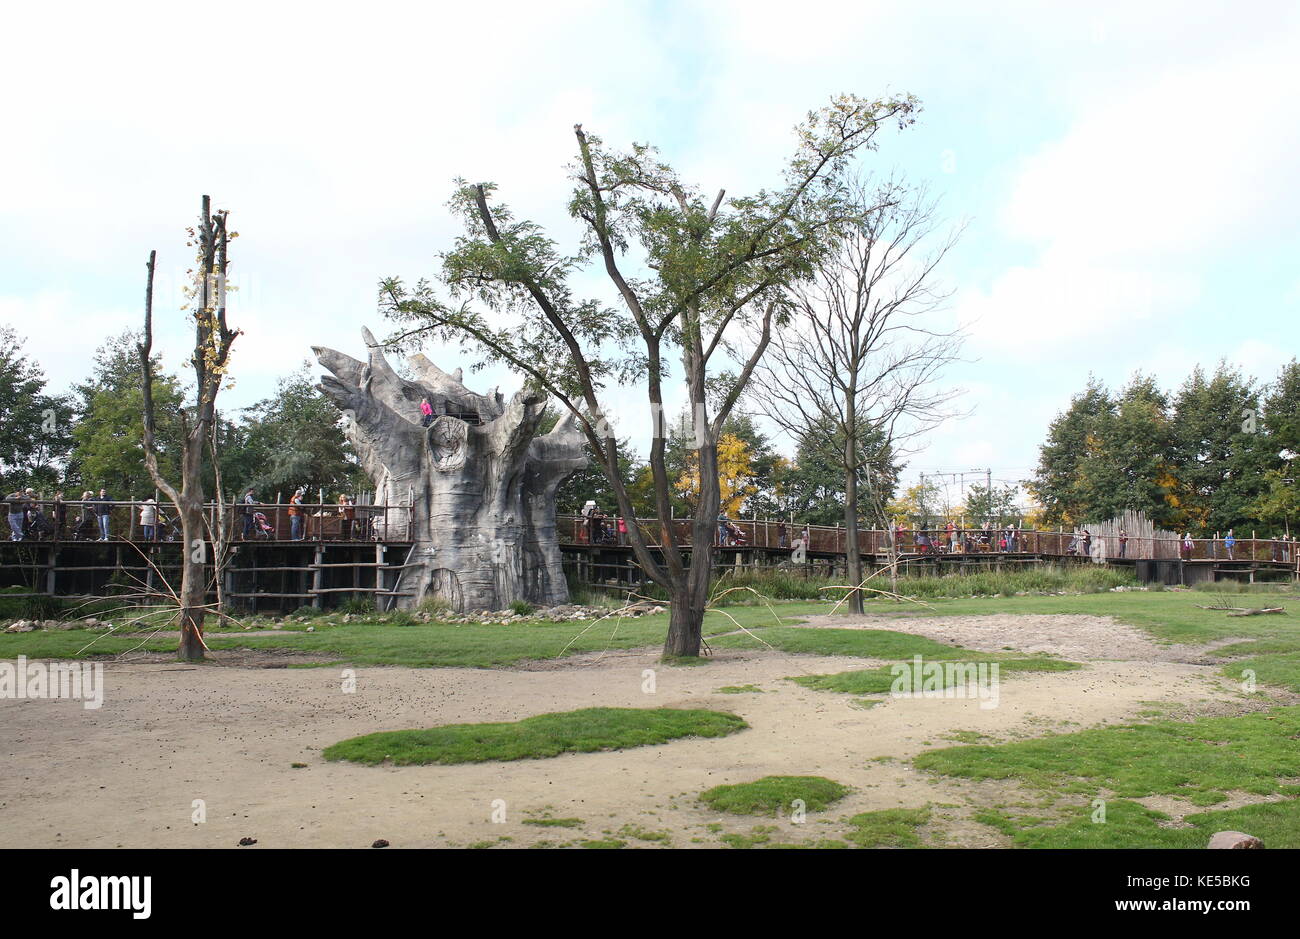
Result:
[{"x": 127, "y": 774}]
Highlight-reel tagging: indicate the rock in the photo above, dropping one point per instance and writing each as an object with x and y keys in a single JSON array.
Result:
[
  {"x": 1234, "y": 839},
  {"x": 245, "y": 842},
  {"x": 311, "y": 629},
  {"x": 20, "y": 626},
  {"x": 379, "y": 843}
]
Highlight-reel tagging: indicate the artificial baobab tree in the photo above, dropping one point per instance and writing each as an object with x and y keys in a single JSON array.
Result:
[
  {"x": 210, "y": 358},
  {"x": 688, "y": 270},
  {"x": 479, "y": 480},
  {"x": 855, "y": 370}
]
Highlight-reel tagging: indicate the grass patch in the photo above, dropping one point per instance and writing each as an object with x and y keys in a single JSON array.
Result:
[
  {"x": 1130, "y": 825},
  {"x": 390, "y": 639},
  {"x": 888, "y": 828},
  {"x": 739, "y": 689},
  {"x": 604, "y": 843},
  {"x": 881, "y": 680},
  {"x": 546, "y": 735},
  {"x": 773, "y": 795},
  {"x": 1198, "y": 760},
  {"x": 555, "y": 822}
]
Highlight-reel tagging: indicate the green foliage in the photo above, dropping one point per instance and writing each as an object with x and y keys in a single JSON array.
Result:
[
  {"x": 34, "y": 426},
  {"x": 546, "y": 735},
  {"x": 109, "y": 433},
  {"x": 1205, "y": 460},
  {"x": 773, "y": 795},
  {"x": 522, "y": 608},
  {"x": 294, "y": 438}
]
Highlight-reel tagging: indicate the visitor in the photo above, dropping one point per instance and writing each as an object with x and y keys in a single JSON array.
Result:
[
  {"x": 1229, "y": 542},
  {"x": 1277, "y": 548},
  {"x": 622, "y": 530},
  {"x": 1187, "y": 546},
  {"x": 807, "y": 540},
  {"x": 86, "y": 525},
  {"x": 722, "y": 529},
  {"x": 296, "y": 514},
  {"x": 426, "y": 412},
  {"x": 1087, "y": 543},
  {"x": 951, "y": 530},
  {"x": 248, "y": 502},
  {"x": 349, "y": 513},
  {"x": 149, "y": 519},
  {"x": 1123, "y": 542},
  {"x": 104, "y": 512},
  {"x": 60, "y": 511},
  {"x": 589, "y": 513},
  {"x": 17, "y": 502},
  {"x": 782, "y": 535}
]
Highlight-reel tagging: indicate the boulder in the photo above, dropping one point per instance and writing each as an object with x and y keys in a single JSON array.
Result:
[{"x": 1234, "y": 839}]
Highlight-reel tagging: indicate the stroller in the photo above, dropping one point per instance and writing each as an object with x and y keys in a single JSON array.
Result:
[
  {"x": 37, "y": 527},
  {"x": 736, "y": 536},
  {"x": 262, "y": 528}
]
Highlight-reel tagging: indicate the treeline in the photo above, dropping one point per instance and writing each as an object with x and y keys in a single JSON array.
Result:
[
  {"x": 755, "y": 479},
  {"x": 1217, "y": 453},
  {"x": 90, "y": 437}
]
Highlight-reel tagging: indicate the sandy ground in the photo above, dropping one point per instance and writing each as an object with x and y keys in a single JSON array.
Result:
[
  {"x": 1074, "y": 637},
  {"x": 128, "y": 773}
]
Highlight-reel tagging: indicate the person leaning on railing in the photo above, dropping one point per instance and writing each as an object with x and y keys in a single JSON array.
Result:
[
  {"x": 104, "y": 511},
  {"x": 296, "y": 515}
]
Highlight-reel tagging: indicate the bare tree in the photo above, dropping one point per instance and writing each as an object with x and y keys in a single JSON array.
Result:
[
  {"x": 212, "y": 342},
  {"x": 855, "y": 369}
]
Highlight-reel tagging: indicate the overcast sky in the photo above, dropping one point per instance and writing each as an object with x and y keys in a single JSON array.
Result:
[{"x": 1128, "y": 170}]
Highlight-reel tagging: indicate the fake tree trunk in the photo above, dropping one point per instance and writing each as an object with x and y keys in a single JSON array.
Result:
[{"x": 479, "y": 482}]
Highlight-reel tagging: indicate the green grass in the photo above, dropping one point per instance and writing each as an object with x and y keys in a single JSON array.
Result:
[
  {"x": 1199, "y": 761},
  {"x": 793, "y": 585},
  {"x": 888, "y": 828},
  {"x": 881, "y": 680},
  {"x": 877, "y": 644},
  {"x": 739, "y": 689},
  {"x": 539, "y": 737},
  {"x": 1167, "y": 615},
  {"x": 554, "y": 822},
  {"x": 863, "y": 643},
  {"x": 773, "y": 795},
  {"x": 1072, "y": 578},
  {"x": 418, "y": 645},
  {"x": 1130, "y": 825}
]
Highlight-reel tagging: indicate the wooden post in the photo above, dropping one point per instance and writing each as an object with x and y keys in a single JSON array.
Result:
[{"x": 317, "y": 577}]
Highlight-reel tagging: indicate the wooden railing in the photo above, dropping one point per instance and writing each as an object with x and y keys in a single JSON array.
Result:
[
  {"x": 325, "y": 521},
  {"x": 821, "y": 539}
]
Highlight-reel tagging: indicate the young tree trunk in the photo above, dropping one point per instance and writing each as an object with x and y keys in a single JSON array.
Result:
[
  {"x": 193, "y": 595},
  {"x": 690, "y": 594},
  {"x": 853, "y": 557}
]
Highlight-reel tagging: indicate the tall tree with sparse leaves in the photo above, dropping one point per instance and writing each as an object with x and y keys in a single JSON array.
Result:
[{"x": 689, "y": 272}]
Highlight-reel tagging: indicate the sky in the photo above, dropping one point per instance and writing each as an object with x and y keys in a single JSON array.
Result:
[{"x": 1125, "y": 171}]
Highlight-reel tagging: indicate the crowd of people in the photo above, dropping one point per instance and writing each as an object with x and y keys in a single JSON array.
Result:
[
  {"x": 30, "y": 519},
  {"x": 91, "y": 518}
]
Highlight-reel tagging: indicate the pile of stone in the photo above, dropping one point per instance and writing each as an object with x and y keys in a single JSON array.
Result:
[
  {"x": 31, "y": 625},
  {"x": 563, "y": 613}
]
